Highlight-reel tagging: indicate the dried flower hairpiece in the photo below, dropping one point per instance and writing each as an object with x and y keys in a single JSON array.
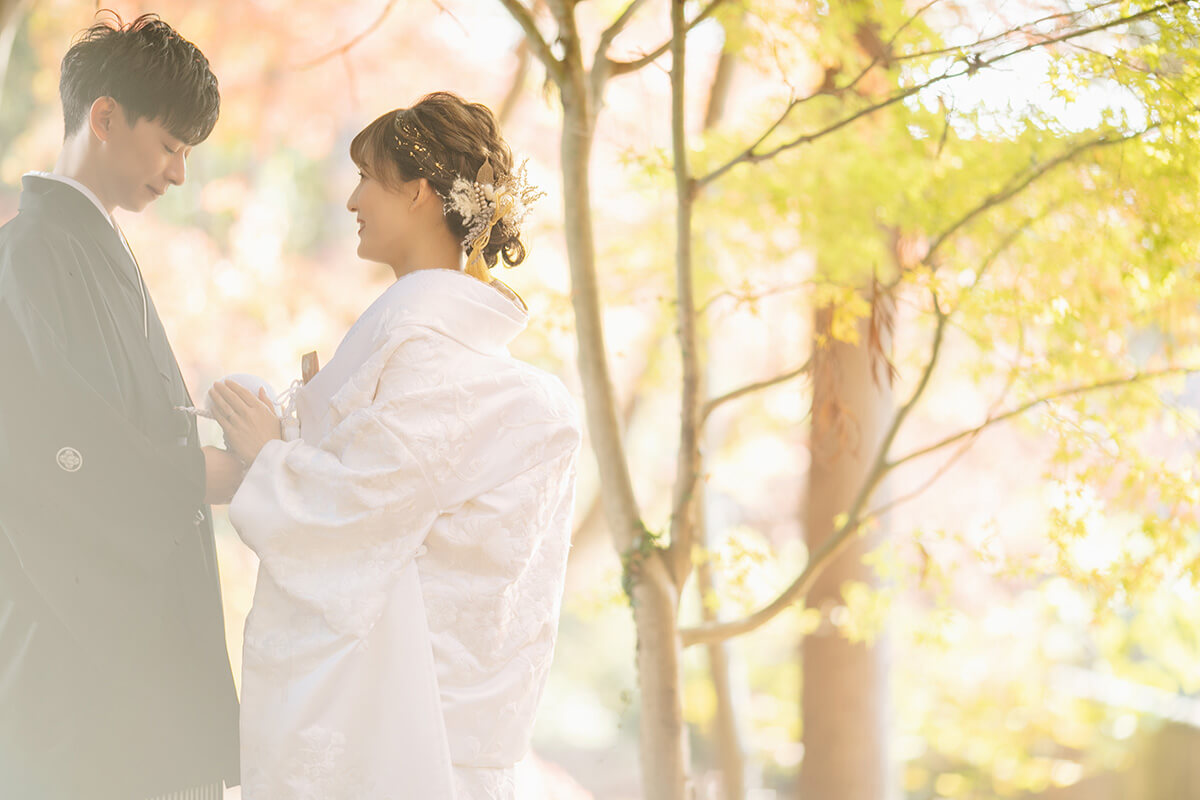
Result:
[{"x": 487, "y": 203}]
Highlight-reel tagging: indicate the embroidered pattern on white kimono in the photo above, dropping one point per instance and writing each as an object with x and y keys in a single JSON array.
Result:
[{"x": 413, "y": 547}]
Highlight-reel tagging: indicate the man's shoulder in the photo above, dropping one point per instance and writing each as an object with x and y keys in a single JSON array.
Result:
[
  {"x": 32, "y": 246},
  {"x": 37, "y": 230}
]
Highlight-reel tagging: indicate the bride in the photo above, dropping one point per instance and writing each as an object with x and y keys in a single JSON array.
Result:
[{"x": 413, "y": 538}]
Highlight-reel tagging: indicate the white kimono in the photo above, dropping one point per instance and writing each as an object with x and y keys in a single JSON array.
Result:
[{"x": 413, "y": 544}]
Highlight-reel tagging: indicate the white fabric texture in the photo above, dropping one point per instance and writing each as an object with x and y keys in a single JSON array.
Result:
[{"x": 413, "y": 546}]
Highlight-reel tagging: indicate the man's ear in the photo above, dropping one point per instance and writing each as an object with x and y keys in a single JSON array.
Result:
[{"x": 100, "y": 117}]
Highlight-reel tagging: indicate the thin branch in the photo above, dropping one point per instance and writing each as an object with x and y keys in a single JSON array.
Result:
[
  {"x": 1020, "y": 184},
  {"x": 612, "y": 31},
  {"x": 750, "y": 297},
  {"x": 959, "y": 49},
  {"x": 716, "y": 402},
  {"x": 795, "y": 103},
  {"x": 1008, "y": 241},
  {"x": 625, "y": 67},
  {"x": 751, "y": 156},
  {"x": 937, "y": 475},
  {"x": 348, "y": 46},
  {"x": 824, "y": 90},
  {"x": 1009, "y": 383},
  {"x": 708, "y": 633},
  {"x": 537, "y": 42},
  {"x": 442, "y": 8},
  {"x": 1072, "y": 391}
]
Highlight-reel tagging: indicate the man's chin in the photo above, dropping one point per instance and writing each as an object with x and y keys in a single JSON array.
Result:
[{"x": 137, "y": 205}]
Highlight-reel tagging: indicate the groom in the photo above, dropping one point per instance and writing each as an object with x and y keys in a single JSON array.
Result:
[{"x": 114, "y": 679}]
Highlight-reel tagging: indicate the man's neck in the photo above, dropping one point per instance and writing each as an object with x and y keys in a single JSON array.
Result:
[{"x": 74, "y": 163}]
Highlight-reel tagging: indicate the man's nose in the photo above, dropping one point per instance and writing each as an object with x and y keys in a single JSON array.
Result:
[{"x": 177, "y": 169}]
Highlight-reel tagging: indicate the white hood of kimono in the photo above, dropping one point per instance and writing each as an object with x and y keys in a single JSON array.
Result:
[{"x": 454, "y": 304}]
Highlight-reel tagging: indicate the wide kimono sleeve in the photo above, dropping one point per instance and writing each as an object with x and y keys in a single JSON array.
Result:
[{"x": 335, "y": 522}]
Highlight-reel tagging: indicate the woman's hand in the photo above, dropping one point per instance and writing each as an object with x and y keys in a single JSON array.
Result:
[{"x": 249, "y": 422}]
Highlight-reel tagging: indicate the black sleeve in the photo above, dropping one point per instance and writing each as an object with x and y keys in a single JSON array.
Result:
[{"x": 63, "y": 439}]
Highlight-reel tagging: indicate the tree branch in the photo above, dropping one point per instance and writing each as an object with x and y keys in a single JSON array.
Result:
[
  {"x": 612, "y": 31},
  {"x": 716, "y": 402},
  {"x": 625, "y": 67},
  {"x": 348, "y": 46},
  {"x": 740, "y": 298},
  {"x": 1111, "y": 383},
  {"x": 1010, "y": 32},
  {"x": 537, "y": 42},
  {"x": 751, "y": 156},
  {"x": 838, "y": 90},
  {"x": 720, "y": 631},
  {"x": 1019, "y": 184}
]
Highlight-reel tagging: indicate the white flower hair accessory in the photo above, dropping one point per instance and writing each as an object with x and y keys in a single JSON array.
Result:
[{"x": 487, "y": 203}]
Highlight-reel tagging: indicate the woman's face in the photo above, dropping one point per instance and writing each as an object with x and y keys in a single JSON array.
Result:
[{"x": 384, "y": 219}]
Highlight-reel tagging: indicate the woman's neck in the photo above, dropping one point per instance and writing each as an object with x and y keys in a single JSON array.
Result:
[{"x": 435, "y": 252}]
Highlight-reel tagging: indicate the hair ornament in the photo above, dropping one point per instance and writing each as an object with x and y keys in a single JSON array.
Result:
[
  {"x": 409, "y": 138},
  {"x": 486, "y": 203}
]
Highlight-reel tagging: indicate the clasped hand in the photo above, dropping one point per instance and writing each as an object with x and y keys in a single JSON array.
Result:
[{"x": 249, "y": 422}]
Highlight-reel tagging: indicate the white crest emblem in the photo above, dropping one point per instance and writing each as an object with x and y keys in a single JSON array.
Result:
[{"x": 69, "y": 459}]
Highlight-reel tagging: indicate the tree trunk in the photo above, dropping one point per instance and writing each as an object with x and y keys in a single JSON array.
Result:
[
  {"x": 844, "y": 698},
  {"x": 12, "y": 12},
  {"x": 664, "y": 741},
  {"x": 664, "y": 746}
]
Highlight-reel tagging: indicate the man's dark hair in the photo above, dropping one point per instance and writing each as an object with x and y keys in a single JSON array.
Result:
[{"x": 147, "y": 67}]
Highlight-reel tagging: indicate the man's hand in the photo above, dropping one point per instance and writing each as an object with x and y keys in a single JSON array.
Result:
[{"x": 224, "y": 472}]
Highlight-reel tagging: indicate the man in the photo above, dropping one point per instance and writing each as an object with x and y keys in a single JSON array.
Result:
[{"x": 114, "y": 679}]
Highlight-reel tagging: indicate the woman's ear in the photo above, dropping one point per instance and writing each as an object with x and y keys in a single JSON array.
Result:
[{"x": 425, "y": 193}]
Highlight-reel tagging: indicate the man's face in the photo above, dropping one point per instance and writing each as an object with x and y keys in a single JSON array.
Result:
[{"x": 141, "y": 161}]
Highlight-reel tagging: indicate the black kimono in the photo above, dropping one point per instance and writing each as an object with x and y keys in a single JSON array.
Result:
[{"x": 114, "y": 678}]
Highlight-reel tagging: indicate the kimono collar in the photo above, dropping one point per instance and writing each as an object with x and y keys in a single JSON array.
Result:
[
  {"x": 462, "y": 307},
  {"x": 55, "y": 194},
  {"x": 77, "y": 186}
]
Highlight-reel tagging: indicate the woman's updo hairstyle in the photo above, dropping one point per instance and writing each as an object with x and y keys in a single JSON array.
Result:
[{"x": 441, "y": 138}]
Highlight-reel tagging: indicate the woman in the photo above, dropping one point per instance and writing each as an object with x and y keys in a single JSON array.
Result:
[{"x": 413, "y": 539}]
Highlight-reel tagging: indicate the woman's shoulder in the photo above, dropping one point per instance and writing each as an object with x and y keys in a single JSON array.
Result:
[{"x": 541, "y": 397}]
